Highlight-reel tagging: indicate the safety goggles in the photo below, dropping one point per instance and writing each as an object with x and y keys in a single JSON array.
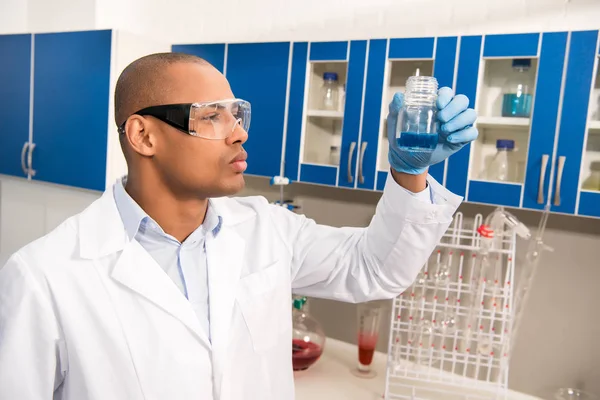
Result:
[{"x": 213, "y": 120}]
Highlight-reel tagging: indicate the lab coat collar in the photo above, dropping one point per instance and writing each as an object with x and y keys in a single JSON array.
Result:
[{"x": 103, "y": 232}]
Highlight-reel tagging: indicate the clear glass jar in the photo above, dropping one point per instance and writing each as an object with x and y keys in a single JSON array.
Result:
[
  {"x": 308, "y": 339},
  {"x": 334, "y": 155},
  {"x": 500, "y": 168},
  {"x": 330, "y": 92},
  {"x": 592, "y": 182},
  {"x": 517, "y": 100},
  {"x": 416, "y": 129}
]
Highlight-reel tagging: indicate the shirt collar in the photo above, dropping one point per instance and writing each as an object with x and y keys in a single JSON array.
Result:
[{"x": 133, "y": 215}]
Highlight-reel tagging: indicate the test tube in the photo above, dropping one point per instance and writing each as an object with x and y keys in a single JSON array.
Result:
[{"x": 369, "y": 321}]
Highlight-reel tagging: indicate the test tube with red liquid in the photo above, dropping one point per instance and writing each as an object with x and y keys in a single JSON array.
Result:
[{"x": 369, "y": 318}]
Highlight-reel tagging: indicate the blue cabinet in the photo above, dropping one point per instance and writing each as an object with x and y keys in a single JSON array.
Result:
[
  {"x": 15, "y": 77},
  {"x": 486, "y": 74},
  {"x": 257, "y": 72},
  {"x": 579, "y": 140},
  {"x": 71, "y": 91}
]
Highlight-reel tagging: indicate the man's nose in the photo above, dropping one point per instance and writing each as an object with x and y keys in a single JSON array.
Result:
[{"x": 238, "y": 134}]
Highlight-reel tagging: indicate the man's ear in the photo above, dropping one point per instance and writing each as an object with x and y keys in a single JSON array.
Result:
[{"x": 138, "y": 135}]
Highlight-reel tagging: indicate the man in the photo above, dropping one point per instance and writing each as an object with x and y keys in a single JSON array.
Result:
[{"x": 166, "y": 289}]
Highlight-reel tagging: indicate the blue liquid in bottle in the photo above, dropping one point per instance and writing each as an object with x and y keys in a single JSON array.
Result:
[
  {"x": 417, "y": 142},
  {"x": 514, "y": 105}
]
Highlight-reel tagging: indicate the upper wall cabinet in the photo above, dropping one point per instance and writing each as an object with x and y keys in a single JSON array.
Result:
[
  {"x": 577, "y": 160},
  {"x": 258, "y": 73},
  {"x": 325, "y": 110},
  {"x": 514, "y": 81},
  {"x": 344, "y": 142},
  {"x": 15, "y": 99},
  {"x": 56, "y": 118}
]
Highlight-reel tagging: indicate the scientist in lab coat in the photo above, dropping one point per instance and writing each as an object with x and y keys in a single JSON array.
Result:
[{"x": 167, "y": 289}]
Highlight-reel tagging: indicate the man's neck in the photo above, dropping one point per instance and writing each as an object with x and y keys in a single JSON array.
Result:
[{"x": 179, "y": 218}]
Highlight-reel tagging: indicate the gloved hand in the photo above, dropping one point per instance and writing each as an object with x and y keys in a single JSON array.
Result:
[{"x": 455, "y": 129}]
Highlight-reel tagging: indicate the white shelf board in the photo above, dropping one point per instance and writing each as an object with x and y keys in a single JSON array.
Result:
[
  {"x": 508, "y": 122},
  {"x": 594, "y": 127},
  {"x": 325, "y": 114}
]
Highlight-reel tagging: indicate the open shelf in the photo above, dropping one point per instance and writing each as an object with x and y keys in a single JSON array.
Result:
[
  {"x": 325, "y": 114},
  {"x": 484, "y": 150},
  {"x": 322, "y": 127},
  {"x": 497, "y": 76},
  {"x": 508, "y": 122},
  {"x": 591, "y": 154}
]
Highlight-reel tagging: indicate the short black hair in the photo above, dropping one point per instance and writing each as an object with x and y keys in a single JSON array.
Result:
[{"x": 141, "y": 83}]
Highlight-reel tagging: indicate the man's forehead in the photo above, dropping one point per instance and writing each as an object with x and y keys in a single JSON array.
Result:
[{"x": 195, "y": 83}]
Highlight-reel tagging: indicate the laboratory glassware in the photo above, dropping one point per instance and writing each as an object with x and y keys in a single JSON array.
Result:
[
  {"x": 573, "y": 394},
  {"x": 516, "y": 101},
  {"x": 416, "y": 128},
  {"x": 334, "y": 155},
  {"x": 308, "y": 339},
  {"x": 369, "y": 322},
  {"x": 500, "y": 169},
  {"x": 330, "y": 92},
  {"x": 592, "y": 182}
]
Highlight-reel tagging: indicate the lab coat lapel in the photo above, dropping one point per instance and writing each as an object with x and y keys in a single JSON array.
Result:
[
  {"x": 138, "y": 271},
  {"x": 225, "y": 254}
]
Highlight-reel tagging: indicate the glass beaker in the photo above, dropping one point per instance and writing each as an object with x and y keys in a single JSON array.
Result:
[{"x": 369, "y": 321}]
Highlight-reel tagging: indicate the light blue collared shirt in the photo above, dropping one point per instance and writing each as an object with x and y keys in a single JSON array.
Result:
[{"x": 185, "y": 263}]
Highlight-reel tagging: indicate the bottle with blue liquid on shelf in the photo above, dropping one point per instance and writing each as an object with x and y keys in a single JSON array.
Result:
[
  {"x": 516, "y": 101},
  {"x": 416, "y": 129}
]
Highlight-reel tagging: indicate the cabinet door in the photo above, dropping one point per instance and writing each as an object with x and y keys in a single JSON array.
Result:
[
  {"x": 258, "y": 72},
  {"x": 213, "y": 53},
  {"x": 71, "y": 97},
  {"x": 431, "y": 56},
  {"x": 577, "y": 186},
  {"x": 15, "y": 80}
]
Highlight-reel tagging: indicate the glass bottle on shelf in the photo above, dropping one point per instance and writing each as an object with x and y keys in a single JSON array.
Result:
[
  {"x": 500, "y": 168},
  {"x": 516, "y": 100},
  {"x": 592, "y": 182},
  {"x": 308, "y": 338},
  {"x": 330, "y": 92},
  {"x": 334, "y": 155},
  {"x": 416, "y": 129}
]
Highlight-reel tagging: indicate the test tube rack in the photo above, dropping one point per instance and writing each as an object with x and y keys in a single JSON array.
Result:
[{"x": 450, "y": 331}]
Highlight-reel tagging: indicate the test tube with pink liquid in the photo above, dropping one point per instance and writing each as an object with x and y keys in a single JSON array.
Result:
[{"x": 369, "y": 321}]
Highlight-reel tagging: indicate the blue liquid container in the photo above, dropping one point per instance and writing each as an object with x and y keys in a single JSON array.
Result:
[
  {"x": 416, "y": 129},
  {"x": 517, "y": 99},
  {"x": 423, "y": 142},
  {"x": 515, "y": 105}
]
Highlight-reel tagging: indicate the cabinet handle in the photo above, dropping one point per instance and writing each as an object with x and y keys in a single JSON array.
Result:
[
  {"x": 559, "y": 173},
  {"x": 540, "y": 198},
  {"x": 363, "y": 148},
  {"x": 30, "y": 159},
  {"x": 350, "y": 153},
  {"x": 23, "y": 152}
]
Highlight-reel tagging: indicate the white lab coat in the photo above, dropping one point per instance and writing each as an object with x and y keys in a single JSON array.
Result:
[{"x": 87, "y": 314}]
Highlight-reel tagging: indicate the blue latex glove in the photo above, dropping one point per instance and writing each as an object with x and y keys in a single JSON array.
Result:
[{"x": 455, "y": 130}]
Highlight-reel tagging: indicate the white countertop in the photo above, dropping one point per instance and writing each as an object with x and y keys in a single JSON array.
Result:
[{"x": 330, "y": 377}]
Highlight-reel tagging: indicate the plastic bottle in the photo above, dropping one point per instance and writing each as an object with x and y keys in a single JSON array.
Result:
[
  {"x": 416, "y": 129},
  {"x": 500, "y": 169},
  {"x": 330, "y": 92},
  {"x": 592, "y": 182},
  {"x": 517, "y": 100}
]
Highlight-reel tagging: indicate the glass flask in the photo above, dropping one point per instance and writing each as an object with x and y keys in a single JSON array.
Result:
[
  {"x": 330, "y": 92},
  {"x": 308, "y": 339},
  {"x": 516, "y": 99},
  {"x": 416, "y": 129}
]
